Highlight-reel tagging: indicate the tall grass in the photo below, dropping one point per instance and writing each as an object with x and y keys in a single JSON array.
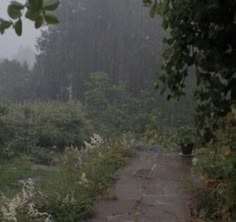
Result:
[{"x": 68, "y": 193}]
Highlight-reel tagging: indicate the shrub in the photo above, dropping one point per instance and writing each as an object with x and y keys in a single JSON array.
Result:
[
  {"x": 42, "y": 156},
  {"x": 187, "y": 135},
  {"x": 51, "y": 125},
  {"x": 83, "y": 175},
  {"x": 216, "y": 202},
  {"x": 22, "y": 206},
  {"x": 68, "y": 194},
  {"x": 12, "y": 171}
]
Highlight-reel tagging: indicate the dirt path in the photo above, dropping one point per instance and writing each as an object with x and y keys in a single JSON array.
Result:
[{"x": 150, "y": 189}]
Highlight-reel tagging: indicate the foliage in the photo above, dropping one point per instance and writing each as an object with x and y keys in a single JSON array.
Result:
[
  {"x": 38, "y": 11},
  {"x": 99, "y": 42},
  {"x": 10, "y": 172},
  {"x": 200, "y": 34},
  {"x": 43, "y": 156},
  {"x": 97, "y": 93},
  {"x": 41, "y": 128},
  {"x": 68, "y": 193},
  {"x": 21, "y": 207},
  {"x": 187, "y": 135},
  {"x": 112, "y": 107},
  {"x": 107, "y": 104},
  {"x": 30, "y": 127},
  {"x": 216, "y": 200},
  {"x": 77, "y": 190},
  {"x": 167, "y": 138}
]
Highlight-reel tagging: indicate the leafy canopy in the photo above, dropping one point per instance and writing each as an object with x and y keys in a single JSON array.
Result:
[
  {"x": 38, "y": 11},
  {"x": 200, "y": 34}
]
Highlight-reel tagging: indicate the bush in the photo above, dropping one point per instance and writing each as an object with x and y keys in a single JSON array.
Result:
[
  {"x": 216, "y": 202},
  {"x": 42, "y": 156},
  {"x": 83, "y": 175},
  {"x": 112, "y": 107},
  {"x": 51, "y": 125},
  {"x": 22, "y": 206},
  {"x": 68, "y": 194}
]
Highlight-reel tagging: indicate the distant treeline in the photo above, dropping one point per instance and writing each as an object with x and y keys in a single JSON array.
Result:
[{"x": 115, "y": 39}]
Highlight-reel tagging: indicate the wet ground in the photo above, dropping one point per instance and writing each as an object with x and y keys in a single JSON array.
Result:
[{"x": 150, "y": 189}]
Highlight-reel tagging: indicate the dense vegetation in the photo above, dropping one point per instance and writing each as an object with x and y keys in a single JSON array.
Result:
[
  {"x": 66, "y": 192},
  {"x": 48, "y": 113},
  {"x": 106, "y": 86},
  {"x": 215, "y": 200},
  {"x": 201, "y": 37},
  {"x": 36, "y": 127}
]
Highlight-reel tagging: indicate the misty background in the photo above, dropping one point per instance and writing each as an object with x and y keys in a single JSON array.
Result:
[
  {"x": 66, "y": 87},
  {"x": 102, "y": 53},
  {"x": 11, "y": 46}
]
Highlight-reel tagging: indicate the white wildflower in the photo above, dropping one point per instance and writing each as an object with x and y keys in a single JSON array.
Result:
[
  {"x": 88, "y": 146},
  {"x": 195, "y": 161},
  {"x": 23, "y": 200},
  {"x": 69, "y": 198},
  {"x": 66, "y": 199},
  {"x": 95, "y": 142},
  {"x": 72, "y": 157},
  {"x": 48, "y": 219},
  {"x": 97, "y": 138},
  {"x": 84, "y": 178}
]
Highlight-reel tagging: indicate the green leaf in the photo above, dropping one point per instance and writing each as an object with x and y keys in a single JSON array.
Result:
[
  {"x": 5, "y": 24},
  {"x": 51, "y": 19},
  {"x": 39, "y": 22},
  {"x": 33, "y": 15},
  {"x": 165, "y": 24},
  {"x": 153, "y": 10},
  {"x": 51, "y": 5},
  {"x": 14, "y": 12},
  {"x": 35, "y": 5},
  {"x": 18, "y": 27},
  {"x": 17, "y": 5}
]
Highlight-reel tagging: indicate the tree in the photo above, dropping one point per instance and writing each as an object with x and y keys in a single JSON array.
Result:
[
  {"x": 38, "y": 11},
  {"x": 200, "y": 34},
  {"x": 92, "y": 37},
  {"x": 14, "y": 81}
]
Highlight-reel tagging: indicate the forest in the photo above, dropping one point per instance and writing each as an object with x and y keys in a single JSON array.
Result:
[{"x": 108, "y": 77}]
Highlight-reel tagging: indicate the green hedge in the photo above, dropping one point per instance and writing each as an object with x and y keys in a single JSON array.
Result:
[{"x": 50, "y": 125}]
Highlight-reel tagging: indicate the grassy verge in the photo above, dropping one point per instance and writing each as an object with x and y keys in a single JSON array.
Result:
[
  {"x": 15, "y": 170},
  {"x": 215, "y": 200},
  {"x": 68, "y": 193}
]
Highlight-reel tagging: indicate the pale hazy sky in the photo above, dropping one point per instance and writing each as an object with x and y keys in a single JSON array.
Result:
[{"x": 10, "y": 42}]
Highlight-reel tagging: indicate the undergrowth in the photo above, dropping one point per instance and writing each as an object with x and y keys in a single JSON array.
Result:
[
  {"x": 68, "y": 193},
  {"x": 31, "y": 128},
  {"x": 215, "y": 201}
]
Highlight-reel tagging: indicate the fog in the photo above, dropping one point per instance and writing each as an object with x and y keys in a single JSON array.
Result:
[{"x": 78, "y": 99}]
